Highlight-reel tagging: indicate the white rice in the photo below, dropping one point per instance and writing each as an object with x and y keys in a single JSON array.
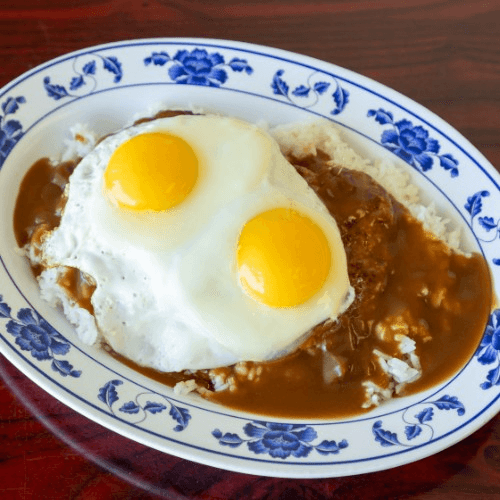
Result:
[
  {"x": 186, "y": 387},
  {"x": 305, "y": 139},
  {"x": 81, "y": 142},
  {"x": 56, "y": 296}
]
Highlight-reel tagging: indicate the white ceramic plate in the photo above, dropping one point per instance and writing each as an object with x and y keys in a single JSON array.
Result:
[{"x": 105, "y": 87}]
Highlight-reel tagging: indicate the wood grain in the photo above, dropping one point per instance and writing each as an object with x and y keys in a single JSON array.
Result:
[{"x": 443, "y": 54}]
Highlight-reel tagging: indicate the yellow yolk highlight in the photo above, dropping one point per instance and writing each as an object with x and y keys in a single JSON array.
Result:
[
  {"x": 283, "y": 258},
  {"x": 153, "y": 171}
]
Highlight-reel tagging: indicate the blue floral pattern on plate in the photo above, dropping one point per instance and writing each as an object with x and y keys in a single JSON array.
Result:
[
  {"x": 310, "y": 90},
  {"x": 279, "y": 440},
  {"x": 414, "y": 428},
  {"x": 488, "y": 352},
  {"x": 412, "y": 143},
  {"x": 11, "y": 131},
  {"x": 198, "y": 67},
  {"x": 33, "y": 334},
  {"x": 84, "y": 75},
  {"x": 109, "y": 396},
  {"x": 488, "y": 226}
]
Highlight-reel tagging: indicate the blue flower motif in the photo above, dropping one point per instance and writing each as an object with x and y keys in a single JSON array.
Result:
[
  {"x": 412, "y": 143},
  {"x": 35, "y": 338},
  {"x": 413, "y": 430},
  {"x": 488, "y": 226},
  {"x": 279, "y": 440},
  {"x": 280, "y": 87},
  {"x": 490, "y": 344},
  {"x": 34, "y": 334},
  {"x": 109, "y": 396},
  {"x": 83, "y": 76},
  {"x": 198, "y": 67},
  {"x": 10, "y": 130},
  {"x": 488, "y": 351}
]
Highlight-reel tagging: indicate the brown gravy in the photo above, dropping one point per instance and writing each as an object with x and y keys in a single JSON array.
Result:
[
  {"x": 40, "y": 200},
  {"x": 406, "y": 281}
]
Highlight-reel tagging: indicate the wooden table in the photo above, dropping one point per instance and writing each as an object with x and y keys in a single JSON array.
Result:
[{"x": 443, "y": 54}]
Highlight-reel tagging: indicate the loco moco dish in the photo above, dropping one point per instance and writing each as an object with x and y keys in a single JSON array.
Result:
[{"x": 257, "y": 269}]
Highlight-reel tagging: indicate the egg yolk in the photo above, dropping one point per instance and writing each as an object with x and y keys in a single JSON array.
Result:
[
  {"x": 152, "y": 171},
  {"x": 283, "y": 258}
]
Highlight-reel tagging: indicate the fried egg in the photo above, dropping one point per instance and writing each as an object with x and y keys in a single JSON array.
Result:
[{"x": 205, "y": 245}]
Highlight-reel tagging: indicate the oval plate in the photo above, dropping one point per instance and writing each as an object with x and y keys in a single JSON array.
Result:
[{"x": 104, "y": 87}]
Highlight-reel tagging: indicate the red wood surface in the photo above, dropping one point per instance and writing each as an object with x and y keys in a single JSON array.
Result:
[{"x": 443, "y": 54}]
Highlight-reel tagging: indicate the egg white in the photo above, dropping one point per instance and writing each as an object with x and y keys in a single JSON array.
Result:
[
  {"x": 167, "y": 290},
  {"x": 227, "y": 169}
]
